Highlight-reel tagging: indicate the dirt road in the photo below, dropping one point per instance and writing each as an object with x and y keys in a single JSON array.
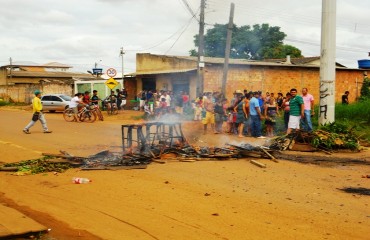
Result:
[{"x": 177, "y": 200}]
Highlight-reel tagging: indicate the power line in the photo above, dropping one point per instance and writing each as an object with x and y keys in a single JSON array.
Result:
[
  {"x": 165, "y": 40},
  {"x": 182, "y": 32},
  {"x": 254, "y": 10},
  {"x": 316, "y": 44},
  {"x": 187, "y": 5}
]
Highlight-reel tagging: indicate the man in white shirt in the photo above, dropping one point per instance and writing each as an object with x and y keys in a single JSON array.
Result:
[{"x": 77, "y": 99}]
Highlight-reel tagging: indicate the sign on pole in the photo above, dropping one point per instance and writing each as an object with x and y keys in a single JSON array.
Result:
[
  {"x": 111, "y": 83},
  {"x": 111, "y": 72}
]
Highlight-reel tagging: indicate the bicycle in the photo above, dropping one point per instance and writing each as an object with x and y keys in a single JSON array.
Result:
[
  {"x": 68, "y": 115},
  {"x": 96, "y": 110},
  {"x": 84, "y": 115},
  {"x": 112, "y": 108}
]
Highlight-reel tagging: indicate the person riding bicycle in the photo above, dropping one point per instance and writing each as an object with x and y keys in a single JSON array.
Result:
[
  {"x": 75, "y": 102},
  {"x": 112, "y": 100},
  {"x": 95, "y": 98},
  {"x": 86, "y": 97}
]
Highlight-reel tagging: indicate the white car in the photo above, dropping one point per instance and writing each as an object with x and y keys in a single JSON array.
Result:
[{"x": 55, "y": 102}]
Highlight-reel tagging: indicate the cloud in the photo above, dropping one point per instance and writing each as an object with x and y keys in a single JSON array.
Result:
[
  {"x": 84, "y": 31},
  {"x": 55, "y": 17}
]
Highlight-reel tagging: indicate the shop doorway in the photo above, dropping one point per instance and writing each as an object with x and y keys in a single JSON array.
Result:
[
  {"x": 149, "y": 84},
  {"x": 184, "y": 87}
]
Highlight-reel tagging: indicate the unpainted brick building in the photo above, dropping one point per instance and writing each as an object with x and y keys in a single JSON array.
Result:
[{"x": 161, "y": 72}]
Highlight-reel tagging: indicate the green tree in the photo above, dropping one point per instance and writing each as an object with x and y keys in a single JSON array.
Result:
[{"x": 257, "y": 42}]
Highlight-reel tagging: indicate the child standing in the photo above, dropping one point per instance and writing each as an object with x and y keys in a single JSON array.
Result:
[{"x": 197, "y": 112}]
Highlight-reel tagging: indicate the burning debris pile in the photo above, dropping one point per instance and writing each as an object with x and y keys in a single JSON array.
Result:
[
  {"x": 156, "y": 139},
  {"x": 142, "y": 144},
  {"x": 160, "y": 142}
]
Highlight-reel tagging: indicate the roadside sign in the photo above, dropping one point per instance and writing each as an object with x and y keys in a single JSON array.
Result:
[
  {"x": 97, "y": 70},
  {"x": 111, "y": 72},
  {"x": 111, "y": 83}
]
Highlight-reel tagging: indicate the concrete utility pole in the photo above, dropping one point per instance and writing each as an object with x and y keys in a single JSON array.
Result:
[
  {"x": 200, "y": 82},
  {"x": 327, "y": 62},
  {"x": 227, "y": 49},
  {"x": 121, "y": 54}
]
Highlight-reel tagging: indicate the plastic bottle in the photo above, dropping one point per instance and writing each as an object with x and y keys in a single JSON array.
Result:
[{"x": 79, "y": 180}]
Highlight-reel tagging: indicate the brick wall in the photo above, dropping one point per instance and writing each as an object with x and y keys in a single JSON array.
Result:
[
  {"x": 281, "y": 79},
  {"x": 24, "y": 93}
]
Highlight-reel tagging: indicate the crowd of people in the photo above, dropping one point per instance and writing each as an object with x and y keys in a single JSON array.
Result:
[
  {"x": 247, "y": 112},
  {"x": 244, "y": 115},
  {"x": 155, "y": 104}
]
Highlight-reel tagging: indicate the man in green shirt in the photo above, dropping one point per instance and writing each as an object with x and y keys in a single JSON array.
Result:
[{"x": 296, "y": 110}]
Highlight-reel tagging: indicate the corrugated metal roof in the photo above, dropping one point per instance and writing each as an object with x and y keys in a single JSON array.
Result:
[
  {"x": 295, "y": 62},
  {"x": 153, "y": 72},
  {"x": 56, "y": 65},
  {"x": 33, "y": 64},
  {"x": 49, "y": 74}
]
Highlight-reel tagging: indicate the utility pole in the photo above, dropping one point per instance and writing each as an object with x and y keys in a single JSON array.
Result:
[
  {"x": 200, "y": 72},
  {"x": 327, "y": 63},
  {"x": 227, "y": 49},
  {"x": 122, "y": 53}
]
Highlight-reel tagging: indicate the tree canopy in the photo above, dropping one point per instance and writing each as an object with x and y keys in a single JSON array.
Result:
[{"x": 256, "y": 42}]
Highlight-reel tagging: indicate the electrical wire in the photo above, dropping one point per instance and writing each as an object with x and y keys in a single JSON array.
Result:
[
  {"x": 182, "y": 32},
  {"x": 187, "y": 5},
  {"x": 165, "y": 40},
  {"x": 256, "y": 10},
  {"x": 316, "y": 44}
]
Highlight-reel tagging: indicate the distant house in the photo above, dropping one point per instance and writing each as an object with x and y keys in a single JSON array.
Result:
[
  {"x": 19, "y": 80},
  {"x": 273, "y": 75}
]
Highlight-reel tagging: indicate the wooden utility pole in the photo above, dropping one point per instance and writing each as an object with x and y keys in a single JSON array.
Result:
[
  {"x": 200, "y": 82},
  {"x": 327, "y": 63},
  {"x": 227, "y": 49}
]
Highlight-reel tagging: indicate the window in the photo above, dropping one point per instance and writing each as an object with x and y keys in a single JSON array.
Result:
[
  {"x": 56, "y": 99},
  {"x": 65, "y": 97},
  {"x": 46, "y": 98}
]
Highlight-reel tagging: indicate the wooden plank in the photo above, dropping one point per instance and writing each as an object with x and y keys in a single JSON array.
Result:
[
  {"x": 158, "y": 161},
  {"x": 187, "y": 160},
  {"x": 303, "y": 147},
  {"x": 247, "y": 153},
  {"x": 269, "y": 155},
  {"x": 9, "y": 169},
  {"x": 261, "y": 165}
]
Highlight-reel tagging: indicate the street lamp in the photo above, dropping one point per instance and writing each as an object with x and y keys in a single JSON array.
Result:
[{"x": 97, "y": 71}]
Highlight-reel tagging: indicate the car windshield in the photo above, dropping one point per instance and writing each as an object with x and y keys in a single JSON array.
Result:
[{"x": 65, "y": 97}]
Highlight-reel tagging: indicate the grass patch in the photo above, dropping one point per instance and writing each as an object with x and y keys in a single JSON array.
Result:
[{"x": 354, "y": 116}]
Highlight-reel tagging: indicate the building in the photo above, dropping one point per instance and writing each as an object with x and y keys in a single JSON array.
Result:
[
  {"x": 177, "y": 73},
  {"x": 19, "y": 80}
]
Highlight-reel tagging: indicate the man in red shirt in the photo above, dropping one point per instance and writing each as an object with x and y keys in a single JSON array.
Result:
[{"x": 86, "y": 97}]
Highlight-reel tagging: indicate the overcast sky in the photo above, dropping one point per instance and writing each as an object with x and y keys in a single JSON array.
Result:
[{"x": 84, "y": 32}]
